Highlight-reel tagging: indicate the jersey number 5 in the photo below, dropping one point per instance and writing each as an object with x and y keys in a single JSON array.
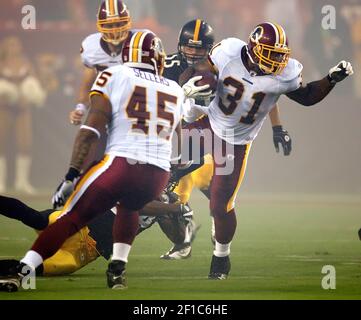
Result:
[
  {"x": 236, "y": 97},
  {"x": 137, "y": 109}
]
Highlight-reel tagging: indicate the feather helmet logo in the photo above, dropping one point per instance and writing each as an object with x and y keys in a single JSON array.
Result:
[{"x": 257, "y": 34}]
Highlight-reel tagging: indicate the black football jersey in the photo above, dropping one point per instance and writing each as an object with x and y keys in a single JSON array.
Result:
[{"x": 174, "y": 66}]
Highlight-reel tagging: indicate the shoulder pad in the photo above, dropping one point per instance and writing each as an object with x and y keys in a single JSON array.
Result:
[
  {"x": 232, "y": 46},
  {"x": 292, "y": 71},
  {"x": 89, "y": 47}
]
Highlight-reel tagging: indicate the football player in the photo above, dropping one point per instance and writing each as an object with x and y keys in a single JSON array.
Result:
[
  {"x": 87, "y": 244},
  {"x": 195, "y": 41},
  {"x": 102, "y": 50},
  {"x": 252, "y": 78},
  {"x": 143, "y": 111}
]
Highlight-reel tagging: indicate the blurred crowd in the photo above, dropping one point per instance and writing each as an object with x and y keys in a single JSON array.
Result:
[{"x": 46, "y": 62}]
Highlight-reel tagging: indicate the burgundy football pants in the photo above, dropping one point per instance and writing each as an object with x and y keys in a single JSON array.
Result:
[
  {"x": 230, "y": 162},
  {"x": 105, "y": 184}
]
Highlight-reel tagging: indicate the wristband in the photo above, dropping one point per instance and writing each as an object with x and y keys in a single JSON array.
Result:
[
  {"x": 72, "y": 174},
  {"x": 277, "y": 128},
  {"x": 81, "y": 107}
]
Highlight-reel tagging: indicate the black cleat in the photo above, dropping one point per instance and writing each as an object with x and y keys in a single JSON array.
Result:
[
  {"x": 6, "y": 266},
  {"x": 116, "y": 275},
  {"x": 10, "y": 279},
  {"x": 220, "y": 268},
  {"x": 359, "y": 234},
  {"x": 9, "y": 284}
]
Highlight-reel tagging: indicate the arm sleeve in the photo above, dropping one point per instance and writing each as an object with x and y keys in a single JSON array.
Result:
[{"x": 312, "y": 93}]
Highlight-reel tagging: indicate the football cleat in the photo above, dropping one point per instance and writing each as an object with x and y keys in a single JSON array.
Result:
[
  {"x": 220, "y": 268},
  {"x": 9, "y": 284},
  {"x": 178, "y": 252},
  {"x": 359, "y": 234},
  {"x": 10, "y": 280},
  {"x": 116, "y": 275},
  {"x": 6, "y": 266}
]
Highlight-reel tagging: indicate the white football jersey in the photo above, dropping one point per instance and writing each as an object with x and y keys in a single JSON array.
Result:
[
  {"x": 95, "y": 53},
  {"x": 145, "y": 112},
  {"x": 243, "y": 101}
]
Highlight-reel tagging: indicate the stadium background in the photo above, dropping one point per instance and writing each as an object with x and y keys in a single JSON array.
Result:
[{"x": 326, "y": 140}]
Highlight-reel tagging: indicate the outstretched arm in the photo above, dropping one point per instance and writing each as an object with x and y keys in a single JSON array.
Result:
[
  {"x": 280, "y": 135},
  {"x": 315, "y": 92}
]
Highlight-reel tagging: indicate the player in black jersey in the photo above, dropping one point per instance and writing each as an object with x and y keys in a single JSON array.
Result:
[{"x": 195, "y": 41}]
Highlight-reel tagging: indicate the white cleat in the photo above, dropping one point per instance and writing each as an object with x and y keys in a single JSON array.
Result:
[{"x": 178, "y": 252}]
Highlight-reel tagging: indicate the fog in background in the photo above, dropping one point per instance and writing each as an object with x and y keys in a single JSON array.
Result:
[{"x": 326, "y": 156}]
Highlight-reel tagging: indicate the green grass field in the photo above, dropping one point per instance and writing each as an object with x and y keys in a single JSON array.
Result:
[{"x": 281, "y": 245}]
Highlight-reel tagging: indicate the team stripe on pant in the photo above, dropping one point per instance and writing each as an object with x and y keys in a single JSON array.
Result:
[
  {"x": 232, "y": 201},
  {"x": 86, "y": 181}
]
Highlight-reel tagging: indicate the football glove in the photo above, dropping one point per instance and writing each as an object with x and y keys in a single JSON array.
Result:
[
  {"x": 65, "y": 189},
  {"x": 196, "y": 92},
  {"x": 281, "y": 136},
  {"x": 340, "y": 72}
]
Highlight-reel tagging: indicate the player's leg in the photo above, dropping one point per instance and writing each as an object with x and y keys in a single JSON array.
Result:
[
  {"x": 177, "y": 228},
  {"x": 5, "y": 135},
  {"x": 224, "y": 189},
  {"x": 24, "y": 143},
  {"x": 145, "y": 184},
  {"x": 97, "y": 191},
  {"x": 15, "y": 209}
]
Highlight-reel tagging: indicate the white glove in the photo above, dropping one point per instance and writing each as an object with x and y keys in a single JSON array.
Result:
[
  {"x": 192, "y": 111},
  {"x": 62, "y": 193},
  {"x": 192, "y": 91},
  {"x": 340, "y": 72}
]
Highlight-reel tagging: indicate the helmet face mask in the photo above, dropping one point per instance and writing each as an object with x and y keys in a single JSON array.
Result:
[
  {"x": 113, "y": 21},
  {"x": 195, "y": 41},
  {"x": 194, "y": 54},
  {"x": 268, "y": 48}
]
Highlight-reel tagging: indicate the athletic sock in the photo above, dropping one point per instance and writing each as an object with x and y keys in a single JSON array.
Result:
[
  {"x": 222, "y": 250},
  {"x": 121, "y": 251},
  {"x": 32, "y": 259}
]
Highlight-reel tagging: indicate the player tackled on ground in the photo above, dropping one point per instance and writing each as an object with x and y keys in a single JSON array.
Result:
[{"x": 142, "y": 111}]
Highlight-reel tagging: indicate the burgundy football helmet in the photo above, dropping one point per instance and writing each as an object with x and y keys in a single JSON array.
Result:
[
  {"x": 113, "y": 21},
  {"x": 144, "y": 50},
  {"x": 268, "y": 48}
]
